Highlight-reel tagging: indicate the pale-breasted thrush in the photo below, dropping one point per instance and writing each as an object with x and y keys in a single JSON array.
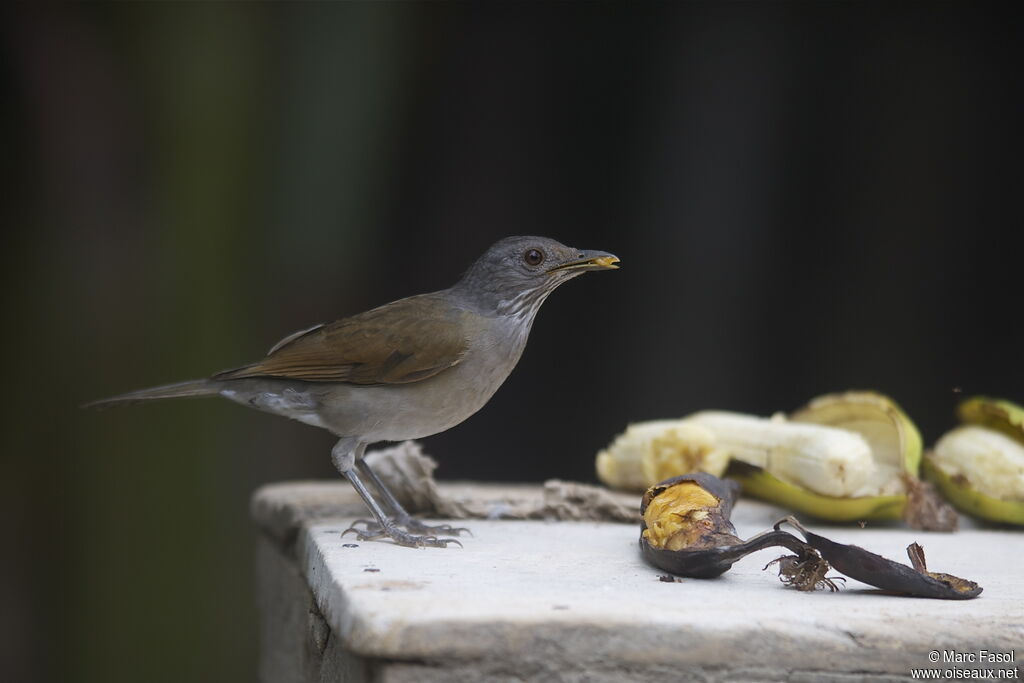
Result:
[{"x": 404, "y": 370}]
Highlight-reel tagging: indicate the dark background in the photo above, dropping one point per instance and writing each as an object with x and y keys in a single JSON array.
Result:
[{"x": 805, "y": 198}]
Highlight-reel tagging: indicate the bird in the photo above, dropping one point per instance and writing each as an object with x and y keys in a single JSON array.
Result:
[{"x": 409, "y": 369}]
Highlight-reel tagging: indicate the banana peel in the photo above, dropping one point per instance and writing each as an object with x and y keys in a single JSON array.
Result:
[
  {"x": 888, "y": 575},
  {"x": 958, "y": 490},
  {"x": 685, "y": 530},
  {"x": 759, "y": 483},
  {"x": 896, "y": 446},
  {"x": 995, "y": 413},
  {"x": 845, "y": 457},
  {"x": 991, "y": 438}
]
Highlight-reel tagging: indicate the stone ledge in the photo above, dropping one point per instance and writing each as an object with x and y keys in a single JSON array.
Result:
[{"x": 570, "y": 600}]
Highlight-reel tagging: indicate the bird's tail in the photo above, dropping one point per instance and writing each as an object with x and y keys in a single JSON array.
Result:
[{"x": 190, "y": 389}]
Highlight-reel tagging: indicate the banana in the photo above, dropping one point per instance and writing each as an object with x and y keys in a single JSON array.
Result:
[
  {"x": 894, "y": 444},
  {"x": 843, "y": 457},
  {"x": 979, "y": 466},
  {"x": 825, "y": 460},
  {"x": 648, "y": 452}
]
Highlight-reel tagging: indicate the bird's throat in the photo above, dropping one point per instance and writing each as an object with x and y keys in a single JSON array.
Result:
[{"x": 525, "y": 304}]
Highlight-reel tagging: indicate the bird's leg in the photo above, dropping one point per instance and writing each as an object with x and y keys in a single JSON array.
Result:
[
  {"x": 401, "y": 517},
  {"x": 398, "y": 513},
  {"x": 343, "y": 456},
  {"x": 396, "y": 510}
]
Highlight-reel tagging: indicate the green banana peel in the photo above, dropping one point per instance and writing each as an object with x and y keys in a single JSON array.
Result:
[
  {"x": 897, "y": 447},
  {"x": 892, "y": 435},
  {"x": 844, "y": 457},
  {"x": 953, "y": 476},
  {"x": 760, "y": 484},
  {"x": 995, "y": 413},
  {"x": 958, "y": 490}
]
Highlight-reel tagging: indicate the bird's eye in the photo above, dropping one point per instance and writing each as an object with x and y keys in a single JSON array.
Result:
[{"x": 533, "y": 257}]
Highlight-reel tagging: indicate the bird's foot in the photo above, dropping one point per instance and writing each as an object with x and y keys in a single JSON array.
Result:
[
  {"x": 375, "y": 531},
  {"x": 415, "y": 526}
]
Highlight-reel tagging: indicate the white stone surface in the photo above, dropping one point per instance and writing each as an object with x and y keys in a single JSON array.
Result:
[{"x": 579, "y": 593}]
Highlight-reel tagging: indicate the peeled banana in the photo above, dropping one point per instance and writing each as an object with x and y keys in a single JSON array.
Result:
[
  {"x": 829, "y": 461},
  {"x": 648, "y": 452},
  {"x": 877, "y": 488},
  {"x": 979, "y": 466},
  {"x": 843, "y": 457}
]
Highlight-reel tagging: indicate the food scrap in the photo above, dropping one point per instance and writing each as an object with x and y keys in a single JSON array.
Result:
[{"x": 685, "y": 530}]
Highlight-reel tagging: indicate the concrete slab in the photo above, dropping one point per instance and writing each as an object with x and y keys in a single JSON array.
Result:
[{"x": 575, "y": 601}]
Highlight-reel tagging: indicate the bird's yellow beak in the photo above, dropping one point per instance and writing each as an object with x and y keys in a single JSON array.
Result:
[
  {"x": 605, "y": 262},
  {"x": 590, "y": 260}
]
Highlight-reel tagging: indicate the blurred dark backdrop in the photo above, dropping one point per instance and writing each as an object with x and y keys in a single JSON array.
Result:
[{"x": 805, "y": 197}]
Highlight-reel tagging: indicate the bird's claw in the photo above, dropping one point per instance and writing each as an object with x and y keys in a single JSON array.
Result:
[
  {"x": 413, "y": 525},
  {"x": 370, "y": 524},
  {"x": 399, "y": 536},
  {"x": 419, "y": 527}
]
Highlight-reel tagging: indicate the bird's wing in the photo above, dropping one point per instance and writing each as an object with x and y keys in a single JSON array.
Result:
[{"x": 401, "y": 342}]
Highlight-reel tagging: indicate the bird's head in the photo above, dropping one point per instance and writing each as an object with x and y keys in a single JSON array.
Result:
[{"x": 516, "y": 274}]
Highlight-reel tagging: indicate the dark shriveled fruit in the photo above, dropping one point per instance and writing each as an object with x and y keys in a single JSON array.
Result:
[
  {"x": 881, "y": 572},
  {"x": 685, "y": 530}
]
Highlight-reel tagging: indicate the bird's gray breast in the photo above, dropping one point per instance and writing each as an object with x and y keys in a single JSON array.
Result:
[{"x": 407, "y": 411}]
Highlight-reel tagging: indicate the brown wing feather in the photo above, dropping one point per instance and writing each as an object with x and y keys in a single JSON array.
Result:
[{"x": 401, "y": 342}]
